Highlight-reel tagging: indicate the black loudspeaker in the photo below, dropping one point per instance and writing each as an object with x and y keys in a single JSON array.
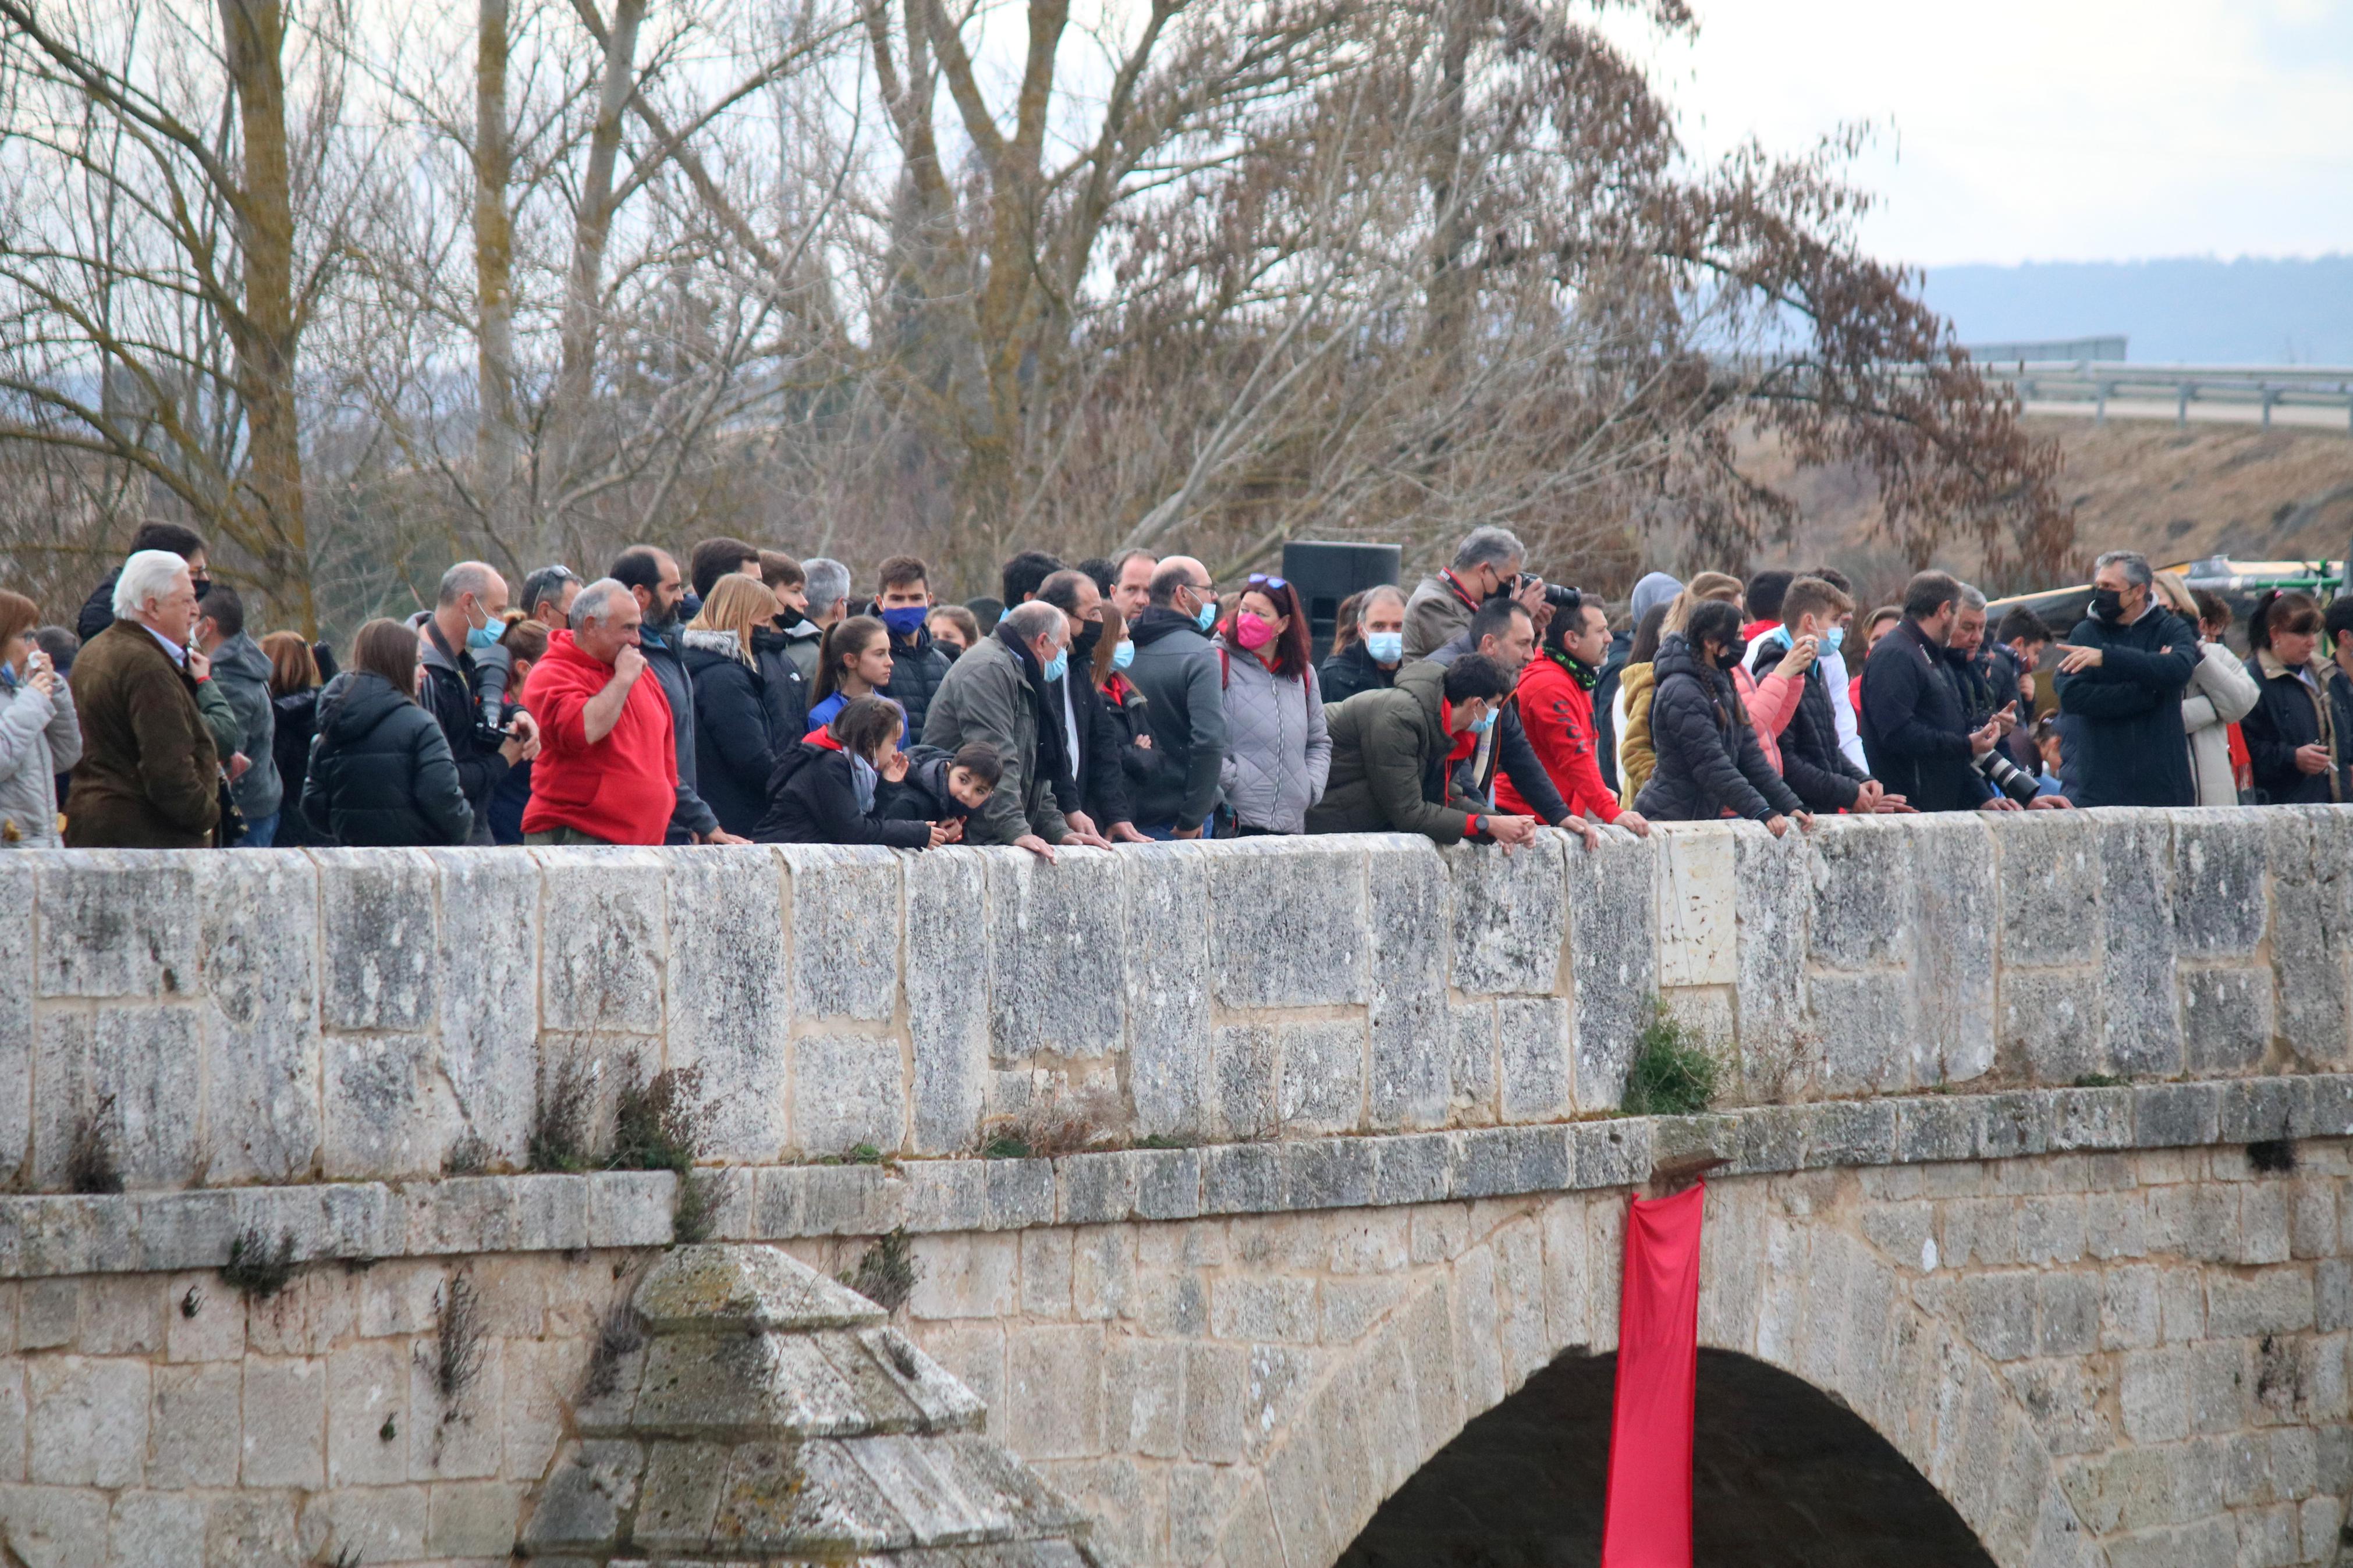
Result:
[{"x": 1327, "y": 573}]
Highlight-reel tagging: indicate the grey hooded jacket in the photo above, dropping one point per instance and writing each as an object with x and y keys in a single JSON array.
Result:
[
  {"x": 241, "y": 671},
  {"x": 39, "y": 739},
  {"x": 1278, "y": 752}
]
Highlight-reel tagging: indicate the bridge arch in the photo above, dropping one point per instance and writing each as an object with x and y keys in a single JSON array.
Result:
[{"x": 1787, "y": 1289}]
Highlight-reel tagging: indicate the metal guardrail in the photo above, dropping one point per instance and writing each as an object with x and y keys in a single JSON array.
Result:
[{"x": 2099, "y": 381}]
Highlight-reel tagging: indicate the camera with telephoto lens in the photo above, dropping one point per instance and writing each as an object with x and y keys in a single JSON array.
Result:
[
  {"x": 1562, "y": 597},
  {"x": 2008, "y": 776}
]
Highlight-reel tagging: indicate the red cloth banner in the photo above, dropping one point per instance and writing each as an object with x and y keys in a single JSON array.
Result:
[{"x": 1649, "y": 1519}]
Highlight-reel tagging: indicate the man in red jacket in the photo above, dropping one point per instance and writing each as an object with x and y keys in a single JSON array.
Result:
[
  {"x": 607, "y": 769},
  {"x": 1556, "y": 710}
]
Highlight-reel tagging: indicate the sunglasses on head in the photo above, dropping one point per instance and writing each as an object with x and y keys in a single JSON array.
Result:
[{"x": 1261, "y": 580}]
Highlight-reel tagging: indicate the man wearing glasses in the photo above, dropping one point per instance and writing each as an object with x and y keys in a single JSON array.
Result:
[
  {"x": 547, "y": 595},
  {"x": 1176, "y": 670}
]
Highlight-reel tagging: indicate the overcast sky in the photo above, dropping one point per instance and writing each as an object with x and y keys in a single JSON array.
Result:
[{"x": 2047, "y": 129}]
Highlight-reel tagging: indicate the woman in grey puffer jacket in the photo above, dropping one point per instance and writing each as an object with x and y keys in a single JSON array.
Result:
[
  {"x": 40, "y": 736},
  {"x": 1278, "y": 753}
]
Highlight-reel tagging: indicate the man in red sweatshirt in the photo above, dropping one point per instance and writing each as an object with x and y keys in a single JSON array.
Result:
[
  {"x": 1556, "y": 710},
  {"x": 607, "y": 770}
]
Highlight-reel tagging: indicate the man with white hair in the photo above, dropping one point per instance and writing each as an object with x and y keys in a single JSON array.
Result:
[
  {"x": 997, "y": 694},
  {"x": 1487, "y": 563},
  {"x": 149, "y": 777},
  {"x": 607, "y": 769},
  {"x": 467, "y": 620}
]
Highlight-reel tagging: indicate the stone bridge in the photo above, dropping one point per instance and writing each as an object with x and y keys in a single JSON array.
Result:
[{"x": 2029, "y": 1247}]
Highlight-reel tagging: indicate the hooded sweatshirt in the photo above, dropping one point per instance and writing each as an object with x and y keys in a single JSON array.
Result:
[{"x": 622, "y": 788}]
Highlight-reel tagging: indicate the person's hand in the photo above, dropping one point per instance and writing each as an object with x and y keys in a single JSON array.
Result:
[
  {"x": 945, "y": 833},
  {"x": 2000, "y": 803},
  {"x": 1800, "y": 658},
  {"x": 1805, "y": 821},
  {"x": 1531, "y": 599},
  {"x": 629, "y": 664},
  {"x": 2073, "y": 659},
  {"x": 522, "y": 743},
  {"x": 238, "y": 765},
  {"x": 1087, "y": 840},
  {"x": 1125, "y": 833},
  {"x": 1896, "y": 805},
  {"x": 1080, "y": 823},
  {"x": 2049, "y": 802},
  {"x": 1185, "y": 832},
  {"x": 1985, "y": 740},
  {"x": 1144, "y": 742},
  {"x": 1036, "y": 845},
  {"x": 721, "y": 835},
  {"x": 1583, "y": 829},
  {"x": 2312, "y": 759},
  {"x": 2026, "y": 684},
  {"x": 1776, "y": 824},
  {"x": 1511, "y": 832},
  {"x": 200, "y": 668},
  {"x": 39, "y": 674},
  {"x": 2007, "y": 720},
  {"x": 1635, "y": 822},
  {"x": 895, "y": 769}
]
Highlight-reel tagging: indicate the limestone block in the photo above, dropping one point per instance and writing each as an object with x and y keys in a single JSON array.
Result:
[
  {"x": 847, "y": 1090},
  {"x": 825, "y": 1200},
  {"x": 1531, "y": 1033},
  {"x": 156, "y": 1528},
  {"x": 1244, "y": 1073},
  {"x": 186, "y": 1230},
  {"x": 390, "y": 1111},
  {"x": 1056, "y": 983},
  {"x": 17, "y": 988},
  {"x": 1698, "y": 897},
  {"x": 1407, "y": 891},
  {"x": 729, "y": 1008},
  {"x": 262, "y": 1068},
  {"x": 367, "y": 1392},
  {"x": 2050, "y": 875},
  {"x": 380, "y": 1524},
  {"x": 2309, "y": 849},
  {"x": 1953, "y": 886},
  {"x": 1288, "y": 922},
  {"x": 88, "y": 1420},
  {"x": 1168, "y": 1183},
  {"x": 845, "y": 923},
  {"x": 1241, "y": 1178},
  {"x": 473, "y": 1518},
  {"x": 1865, "y": 1025},
  {"x": 116, "y": 922},
  {"x": 1327, "y": 1173},
  {"x": 194, "y": 1432},
  {"x": 952, "y": 1195},
  {"x": 2226, "y": 1018},
  {"x": 1613, "y": 959},
  {"x": 1017, "y": 1193},
  {"x": 1473, "y": 1063},
  {"x": 603, "y": 943},
  {"x": 1863, "y": 911},
  {"x": 1503, "y": 1161},
  {"x": 379, "y": 958},
  {"x": 630, "y": 1208},
  {"x": 488, "y": 1013},
  {"x": 1094, "y": 1189},
  {"x": 1165, "y": 971},
  {"x": 2219, "y": 854},
  {"x": 1775, "y": 890},
  {"x": 1054, "y": 1393},
  {"x": 1322, "y": 1086},
  {"x": 2139, "y": 1012},
  {"x": 2173, "y": 1116},
  {"x": 1611, "y": 1153},
  {"x": 138, "y": 1070},
  {"x": 592, "y": 1486},
  {"x": 947, "y": 995},
  {"x": 2051, "y": 1021},
  {"x": 1509, "y": 915}
]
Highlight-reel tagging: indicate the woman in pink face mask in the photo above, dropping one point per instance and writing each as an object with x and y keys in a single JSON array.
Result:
[{"x": 1278, "y": 753}]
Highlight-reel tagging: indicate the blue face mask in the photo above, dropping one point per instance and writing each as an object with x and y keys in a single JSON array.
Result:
[
  {"x": 1385, "y": 647},
  {"x": 1834, "y": 639},
  {"x": 906, "y": 620},
  {"x": 1207, "y": 616},
  {"x": 1123, "y": 654},
  {"x": 1487, "y": 720},
  {"x": 485, "y": 636},
  {"x": 1059, "y": 666}
]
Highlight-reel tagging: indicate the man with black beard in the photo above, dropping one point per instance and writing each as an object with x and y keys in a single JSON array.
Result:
[
  {"x": 652, "y": 578},
  {"x": 2121, "y": 674}
]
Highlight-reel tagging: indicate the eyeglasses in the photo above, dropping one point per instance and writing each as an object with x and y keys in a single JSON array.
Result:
[{"x": 1261, "y": 580}]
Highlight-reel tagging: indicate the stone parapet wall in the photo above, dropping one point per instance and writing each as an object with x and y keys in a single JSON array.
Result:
[{"x": 273, "y": 1017}]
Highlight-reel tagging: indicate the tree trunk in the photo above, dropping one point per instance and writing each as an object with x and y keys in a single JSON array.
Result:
[
  {"x": 591, "y": 225},
  {"x": 495, "y": 441},
  {"x": 265, "y": 332}
]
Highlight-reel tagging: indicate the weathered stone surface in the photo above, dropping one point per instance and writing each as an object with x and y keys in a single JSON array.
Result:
[
  {"x": 388, "y": 1108},
  {"x": 1054, "y": 983},
  {"x": 730, "y": 1003},
  {"x": 1531, "y": 1033},
  {"x": 1773, "y": 878},
  {"x": 2226, "y": 1017},
  {"x": 1244, "y": 1072},
  {"x": 2050, "y": 877},
  {"x": 1164, "y": 969},
  {"x": 2309, "y": 851},
  {"x": 378, "y": 954},
  {"x": 1406, "y": 892},
  {"x": 2218, "y": 904},
  {"x": 116, "y": 922},
  {"x": 489, "y": 993},
  {"x": 1287, "y": 922},
  {"x": 2139, "y": 1012},
  {"x": 1613, "y": 959},
  {"x": 16, "y": 991},
  {"x": 1862, "y": 910},
  {"x": 1322, "y": 1088},
  {"x": 1508, "y": 915},
  {"x": 602, "y": 940},
  {"x": 260, "y": 1019},
  {"x": 1698, "y": 896},
  {"x": 846, "y": 931},
  {"x": 1864, "y": 1023},
  {"x": 1953, "y": 885},
  {"x": 2050, "y": 1023},
  {"x": 135, "y": 1071},
  {"x": 948, "y": 1008},
  {"x": 847, "y": 1090}
]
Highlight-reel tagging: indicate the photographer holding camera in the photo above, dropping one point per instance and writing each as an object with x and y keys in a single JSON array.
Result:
[
  {"x": 1486, "y": 566},
  {"x": 469, "y": 618}
]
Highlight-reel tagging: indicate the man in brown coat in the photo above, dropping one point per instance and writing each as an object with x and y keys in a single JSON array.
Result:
[{"x": 149, "y": 777}]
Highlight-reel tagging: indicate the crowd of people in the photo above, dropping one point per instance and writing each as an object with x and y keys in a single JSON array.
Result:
[{"x": 755, "y": 697}]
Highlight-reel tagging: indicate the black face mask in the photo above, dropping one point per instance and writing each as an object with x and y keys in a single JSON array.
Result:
[
  {"x": 1734, "y": 654},
  {"x": 2108, "y": 604},
  {"x": 203, "y": 585},
  {"x": 1083, "y": 646}
]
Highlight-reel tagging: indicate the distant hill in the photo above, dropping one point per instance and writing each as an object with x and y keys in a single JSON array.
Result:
[{"x": 2190, "y": 310}]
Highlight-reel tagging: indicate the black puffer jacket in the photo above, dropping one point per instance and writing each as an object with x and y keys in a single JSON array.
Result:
[
  {"x": 812, "y": 799},
  {"x": 2289, "y": 711},
  {"x": 916, "y": 671},
  {"x": 380, "y": 773},
  {"x": 1913, "y": 729},
  {"x": 290, "y": 743},
  {"x": 1816, "y": 771},
  {"x": 924, "y": 794},
  {"x": 734, "y": 750},
  {"x": 784, "y": 690},
  {"x": 1351, "y": 670},
  {"x": 1708, "y": 759}
]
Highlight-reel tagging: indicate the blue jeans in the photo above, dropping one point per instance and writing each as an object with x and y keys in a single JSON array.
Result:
[{"x": 260, "y": 832}]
